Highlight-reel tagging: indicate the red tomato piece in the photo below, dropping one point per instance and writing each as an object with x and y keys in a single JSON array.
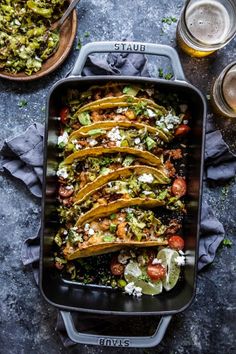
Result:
[
  {"x": 179, "y": 187},
  {"x": 64, "y": 113},
  {"x": 156, "y": 271},
  {"x": 182, "y": 130},
  {"x": 176, "y": 242}
]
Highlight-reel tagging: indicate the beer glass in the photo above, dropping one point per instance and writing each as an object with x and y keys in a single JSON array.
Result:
[
  {"x": 206, "y": 25},
  {"x": 223, "y": 97}
]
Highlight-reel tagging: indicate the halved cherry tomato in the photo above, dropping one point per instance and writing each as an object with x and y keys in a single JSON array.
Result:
[
  {"x": 182, "y": 130},
  {"x": 176, "y": 242},
  {"x": 64, "y": 192},
  {"x": 179, "y": 187},
  {"x": 64, "y": 113},
  {"x": 156, "y": 271},
  {"x": 116, "y": 267}
]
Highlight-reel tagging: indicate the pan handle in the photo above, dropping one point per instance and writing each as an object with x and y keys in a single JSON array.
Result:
[
  {"x": 129, "y": 47},
  {"x": 113, "y": 341}
]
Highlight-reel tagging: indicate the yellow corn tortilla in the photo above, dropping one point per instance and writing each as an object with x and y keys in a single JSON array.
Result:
[
  {"x": 121, "y": 101},
  {"x": 113, "y": 207},
  {"x": 108, "y": 125},
  {"x": 87, "y": 250},
  {"x": 146, "y": 156},
  {"x": 159, "y": 174}
]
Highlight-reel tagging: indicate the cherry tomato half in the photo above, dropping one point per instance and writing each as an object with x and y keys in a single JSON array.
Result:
[
  {"x": 116, "y": 267},
  {"x": 64, "y": 113},
  {"x": 176, "y": 242},
  {"x": 64, "y": 192},
  {"x": 182, "y": 130},
  {"x": 156, "y": 271},
  {"x": 179, "y": 187}
]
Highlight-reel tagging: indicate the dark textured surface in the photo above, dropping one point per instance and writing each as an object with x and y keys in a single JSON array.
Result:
[{"x": 26, "y": 321}]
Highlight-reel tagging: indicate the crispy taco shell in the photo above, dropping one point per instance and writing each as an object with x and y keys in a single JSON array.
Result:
[
  {"x": 146, "y": 156},
  {"x": 121, "y": 101},
  {"x": 112, "y": 207},
  {"x": 108, "y": 125},
  {"x": 159, "y": 174}
]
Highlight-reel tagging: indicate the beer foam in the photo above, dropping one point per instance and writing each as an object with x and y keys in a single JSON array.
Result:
[
  {"x": 208, "y": 21},
  {"x": 229, "y": 88}
]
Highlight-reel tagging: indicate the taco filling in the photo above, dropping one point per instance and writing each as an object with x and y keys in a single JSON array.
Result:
[{"x": 127, "y": 227}]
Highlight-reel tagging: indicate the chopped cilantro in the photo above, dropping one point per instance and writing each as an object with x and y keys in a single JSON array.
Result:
[
  {"x": 168, "y": 76},
  {"x": 80, "y": 43},
  {"x": 112, "y": 216},
  {"x": 112, "y": 228},
  {"x": 109, "y": 238},
  {"x": 86, "y": 34},
  {"x": 22, "y": 103},
  {"x": 169, "y": 20},
  {"x": 227, "y": 242},
  {"x": 160, "y": 72}
]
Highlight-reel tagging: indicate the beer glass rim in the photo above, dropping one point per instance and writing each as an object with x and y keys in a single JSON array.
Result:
[{"x": 199, "y": 43}]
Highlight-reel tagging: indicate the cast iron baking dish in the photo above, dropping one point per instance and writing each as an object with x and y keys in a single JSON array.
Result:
[{"x": 70, "y": 296}]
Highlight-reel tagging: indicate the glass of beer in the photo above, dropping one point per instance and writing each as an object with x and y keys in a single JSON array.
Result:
[
  {"x": 223, "y": 97},
  {"x": 206, "y": 25}
]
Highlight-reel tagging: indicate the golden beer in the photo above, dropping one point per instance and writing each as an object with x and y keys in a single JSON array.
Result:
[
  {"x": 223, "y": 97},
  {"x": 206, "y": 25}
]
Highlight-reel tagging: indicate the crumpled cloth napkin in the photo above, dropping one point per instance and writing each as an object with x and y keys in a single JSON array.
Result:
[{"x": 22, "y": 158}]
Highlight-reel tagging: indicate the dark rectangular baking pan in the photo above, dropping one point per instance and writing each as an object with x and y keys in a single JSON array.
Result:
[{"x": 69, "y": 296}]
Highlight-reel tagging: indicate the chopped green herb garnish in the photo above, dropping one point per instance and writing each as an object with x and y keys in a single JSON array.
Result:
[
  {"x": 109, "y": 238},
  {"x": 80, "y": 43},
  {"x": 22, "y": 103},
  {"x": 168, "y": 76},
  {"x": 112, "y": 216},
  {"x": 86, "y": 34},
  {"x": 227, "y": 242},
  {"x": 160, "y": 72},
  {"x": 169, "y": 20},
  {"x": 113, "y": 228}
]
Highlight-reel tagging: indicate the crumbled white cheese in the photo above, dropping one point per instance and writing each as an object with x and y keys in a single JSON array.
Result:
[
  {"x": 147, "y": 192},
  {"x": 118, "y": 143},
  {"x": 114, "y": 134},
  {"x": 183, "y": 108},
  {"x": 74, "y": 141},
  {"x": 133, "y": 290},
  {"x": 170, "y": 126},
  {"x": 63, "y": 138},
  {"x": 91, "y": 232},
  {"x": 62, "y": 173},
  {"x": 185, "y": 121},
  {"x": 123, "y": 258},
  {"x": 86, "y": 227},
  {"x": 150, "y": 113},
  {"x": 92, "y": 142},
  {"x": 121, "y": 109},
  {"x": 156, "y": 261},
  {"x": 65, "y": 232},
  {"x": 181, "y": 253},
  {"x": 180, "y": 260},
  {"x": 69, "y": 187},
  {"x": 146, "y": 178},
  {"x": 137, "y": 141},
  {"x": 78, "y": 146},
  {"x": 75, "y": 228}
]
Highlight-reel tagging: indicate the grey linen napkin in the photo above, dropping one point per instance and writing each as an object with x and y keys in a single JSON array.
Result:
[{"x": 22, "y": 158}]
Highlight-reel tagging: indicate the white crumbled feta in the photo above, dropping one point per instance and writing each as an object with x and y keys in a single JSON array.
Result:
[
  {"x": 170, "y": 126},
  {"x": 65, "y": 232},
  {"x": 114, "y": 134},
  {"x": 180, "y": 260},
  {"x": 147, "y": 192},
  {"x": 146, "y": 178},
  {"x": 185, "y": 121},
  {"x": 63, "y": 138},
  {"x": 118, "y": 143},
  {"x": 183, "y": 108},
  {"x": 74, "y": 141},
  {"x": 123, "y": 258},
  {"x": 181, "y": 253},
  {"x": 75, "y": 228},
  {"x": 150, "y": 113},
  {"x": 156, "y": 261},
  {"x": 62, "y": 173},
  {"x": 171, "y": 119},
  {"x": 91, "y": 232},
  {"x": 137, "y": 141},
  {"x": 92, "y": 142},
  {"x": 78, "y": 146},
  {"x": 133, "y": 290},
  {"x": 69, "y": 187},
  {"x": 86, "y": 227},
  {"x": 120, "y": 109}
]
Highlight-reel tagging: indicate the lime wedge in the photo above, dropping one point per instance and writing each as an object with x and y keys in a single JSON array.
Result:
[
  {"x": 168, "y": 257},
  {"x": 132, "y": 274}
]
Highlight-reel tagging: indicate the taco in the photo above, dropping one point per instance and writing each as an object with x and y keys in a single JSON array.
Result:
[
  {"x": 124, "y": 227},
  {"x": 122, "y": 134}
]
